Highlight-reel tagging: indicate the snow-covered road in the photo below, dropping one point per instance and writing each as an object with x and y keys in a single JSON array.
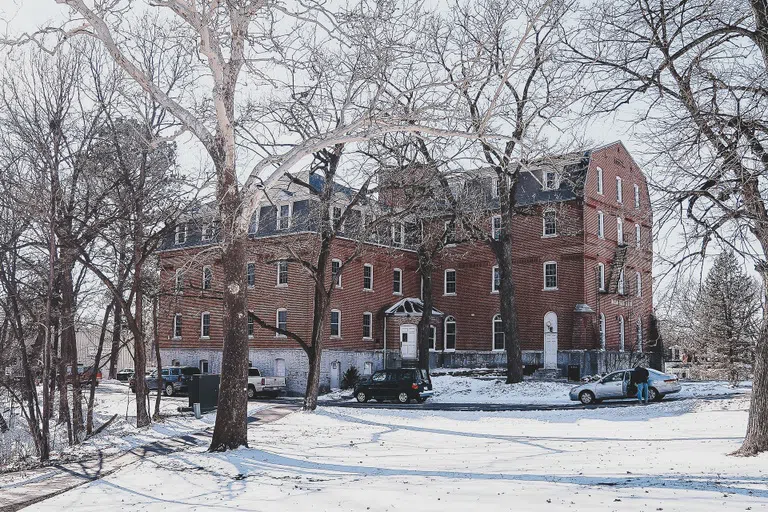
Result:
[{"x": 668, "y": 456}]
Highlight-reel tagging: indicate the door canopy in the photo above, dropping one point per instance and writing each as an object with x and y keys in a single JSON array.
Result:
[{"x": 409, "y": 307}]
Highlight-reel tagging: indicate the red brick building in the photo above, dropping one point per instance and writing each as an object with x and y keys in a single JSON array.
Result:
[{"x": 583, "y": 260}]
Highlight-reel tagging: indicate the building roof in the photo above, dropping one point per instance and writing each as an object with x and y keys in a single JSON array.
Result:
[{"x": 409, "y": 306}]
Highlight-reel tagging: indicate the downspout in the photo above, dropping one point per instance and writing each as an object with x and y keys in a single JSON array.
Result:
[{"x": 385, "y": 341}]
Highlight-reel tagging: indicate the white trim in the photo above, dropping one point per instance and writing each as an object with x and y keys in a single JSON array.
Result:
[
  {"x": 210, "y": 284},
  {"x": 445, "y": 334},
  {"x": 494, "y": 270},
  {"x": 399, "y": 281},
  {"x": 600, "y": 276},
  {"x": 338, "y": 280},
  {"x": 600, "y": 224},
  {"x": 330, "y": 325},
  {"x": 621, "y": 334},
  {"x": 602, "y": 331},
  {"x": 445, "y": 282},
  {"x": 619, "y": 230},
  {"x": 544, "y": 233},
  {"x": 620, "y": 286},
  {"x": 176, "y": 317},
  {"x": 638, "y": 284},
  {"x": 250, "y": 325},
  {"x": 638, "y": 235},
  {"x": 277, "y": 322},
  {"x": 369, "y": 315},
  {"x": 619, "y": 190},
  {"x": 555, "y": 179},
  {"x": 637, "y": 195},
  {"x": 278, "y": 217},
  {"x": 544, "y": 270},
  {"x": 493, "y": 334},
  {"x": 433, "y": 335},
  {"x": 369, "y": 265},
  {"x": 493, "y": 227},
  {"x": 180, "y": 234},
  {"x": 278, "y": 284},
  {"x": 600, "y": 180},
  {"x": 202, "y": 323}
]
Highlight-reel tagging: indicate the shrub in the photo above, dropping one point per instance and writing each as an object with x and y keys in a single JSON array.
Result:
[{"x": 350, "y": 378}]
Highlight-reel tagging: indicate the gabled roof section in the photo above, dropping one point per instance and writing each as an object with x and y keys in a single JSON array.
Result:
[{"x": 409, "y": 306}]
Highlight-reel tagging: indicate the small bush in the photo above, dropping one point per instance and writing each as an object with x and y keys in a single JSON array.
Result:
[{"x": 351, "y": 378}]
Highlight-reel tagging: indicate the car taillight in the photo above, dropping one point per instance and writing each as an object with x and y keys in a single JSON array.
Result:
[
  {"x": 263, "y": 382},
  {"x": 414, "y": 386},
  {"x": 671, "y": 380}
]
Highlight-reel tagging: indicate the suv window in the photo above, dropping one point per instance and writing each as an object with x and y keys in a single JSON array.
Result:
[
  {"x": 190, "y": 370},
  {"x": 380, "y": 376},
  {"x": 253, "y": 372},
  {"x": 166, "y": 372}
]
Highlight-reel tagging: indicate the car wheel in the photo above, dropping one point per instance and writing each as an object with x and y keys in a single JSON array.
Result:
[
  {"x": 361, "y": 397},
  {"x": 654, "y": 396},
  {"x": 169, "y": 390},
  {"x": 587, "y": 397},
  {"x": 403, "y": 398},
  {"x": 251, "y": 392}
]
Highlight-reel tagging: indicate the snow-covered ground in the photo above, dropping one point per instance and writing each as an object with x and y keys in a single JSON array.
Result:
[
  {"x": 112, "y": 397},
  {"x": 668, "y": 456}
]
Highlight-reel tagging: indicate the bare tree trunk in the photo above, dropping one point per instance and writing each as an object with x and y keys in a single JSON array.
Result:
[
  {"x": 116, "y": 334},
  {"x": 68, "y": 340},
  {"x": 425, "y": 271},
  {"x": 158, "y": 362},
  {"x": 96, "y": 367}
]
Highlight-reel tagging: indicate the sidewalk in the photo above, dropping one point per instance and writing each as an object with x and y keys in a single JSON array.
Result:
[{"x": 40, "y": 484}]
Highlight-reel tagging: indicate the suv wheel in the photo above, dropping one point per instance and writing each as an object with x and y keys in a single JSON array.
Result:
[
  {"x": 251, "y": 392},
  {"x": 169, "y": 390},
  {"x": 586, "y": 397},
  {"x": 403, "y": 398},
  {"x": 361, "y": 397}
]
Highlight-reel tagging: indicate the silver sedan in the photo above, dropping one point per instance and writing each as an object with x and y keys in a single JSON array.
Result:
[{"x": 615, "y": 384}]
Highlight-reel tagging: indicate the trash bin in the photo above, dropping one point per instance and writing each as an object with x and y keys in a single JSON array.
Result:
[
  {"x": 574, "y": 372},
  {"x": 204, "y": 390}
]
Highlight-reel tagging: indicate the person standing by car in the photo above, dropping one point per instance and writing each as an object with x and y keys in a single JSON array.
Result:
[{"x": 640, "y": 378}]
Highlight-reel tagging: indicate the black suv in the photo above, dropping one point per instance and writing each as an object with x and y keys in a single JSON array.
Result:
[
  {"x": 175, "y": 379},
  {"x": 402, "y": 385}
]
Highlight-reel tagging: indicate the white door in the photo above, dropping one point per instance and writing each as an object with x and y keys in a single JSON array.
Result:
[
  {"x": 279, "y": 367},
  {"x": 408, "y": 345},
  {"x": 550, "y": 341},
  {"x": 335, "y": 375}
]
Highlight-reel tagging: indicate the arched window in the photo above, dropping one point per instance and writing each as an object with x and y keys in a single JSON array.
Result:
[
  {"x": 336, "y": 272},
  {"x": 450, "y": 333},
  {"x": 498, "y": 333},
  {"x": 550, "y": 223},
  {"x": 602, "y": 331},
  {"x": 207, "y": 277},
  {"x": 621, "y": 334},
  {"x": 639, "y": 335},
  {"x": 638, "y": 284},
  {"x": 601, "y": 277}
]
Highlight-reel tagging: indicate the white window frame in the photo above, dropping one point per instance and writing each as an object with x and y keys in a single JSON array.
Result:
[
  {"x": 496, "y": 231},
  {"x": 637, "y": 235},
  {"x": 544, "y": 233},
  {"x": 544, "y": 268},
  {"x": 205, "y": 235},
  {"x": 334, "y": 218},
  {"x": 399, "y": 281},
  {"x": 330, "y": 324},
  {"x": 178, "y": 283},
  {"x": 369, "y": 316},
  {"x": 203, "y": 315},
  {"x": 336, "y": 275},
  {"x": 497, "y": 317},
  {"x": 450, "y": 234},
  {"x": 619, "y": 191},
  {"x": 207, "y": 366},
  {"x": 178, "y": 325},
  {"x": 277, "y": 322},
  {"x": 398, "y": 228},
  {"x": 278, "y": 266},
  {"x": 371, "y": 287},
  {"x": 638, "y": 284},
  {"x": 495, "y": 187},
  {"x": 449, "y": 319},
  {"x": 600, "y": 224},
  {"x": 181, "y": 234},
  {"x": 210, "y": 282},
  {"x": 555, "y": 180},
  {"x": 445, "y": 282},
  {"x": 251, "y": 328},
  {"x": 494, "y": 272},
  {"x": 432, "y": 342},
  {"x": 601, "y": 276},
  {"x": 637, "y": 195},
  {"x": 600, "y": 180},
  {"x": 602, "y": 331},
  {"x": 619, "y": 230},
  {"x": 278, "y": 221},
  {"x": 247, "y": 274},
  {"x": 620, "y": 284},
  {"x": 621, "y": 334}
]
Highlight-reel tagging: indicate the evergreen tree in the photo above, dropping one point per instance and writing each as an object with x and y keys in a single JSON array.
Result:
[{"x": 727, "y": 315}]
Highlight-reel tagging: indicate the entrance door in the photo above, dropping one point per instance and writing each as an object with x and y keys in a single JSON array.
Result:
[
  {"x": 550, "y": 341},
  {"x": 279, "y": 367},
  {"x": 335, "y": 375},
  {"x": 408, "y": 344}
]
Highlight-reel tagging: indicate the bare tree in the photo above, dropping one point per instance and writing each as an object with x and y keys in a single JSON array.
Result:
[{"x": 695, "y": 70}]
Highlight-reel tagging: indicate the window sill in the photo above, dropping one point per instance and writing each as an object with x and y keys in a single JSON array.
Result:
[
  {"x": 336, "y": 337},
  {"x": 176, "y": 338},
  {"x": 449, "y": 350},
  {"x": 549, "y": 236},
  {"x": 250, "y": 336},
  {"x": 498, "y": 350},
  {"x": 369, "y": 290},
  {"x": 550, "y": 289},
  {"x": 399, "y": 294},
  {"x": 205, "y": 337},
  {"x": 449, "y": 294},
  {"x": 284, "y": 285},
  {"x": 339, "y": 287},
  {"x": 367, "y": 338},
  {"x": 280, "y": 336}
]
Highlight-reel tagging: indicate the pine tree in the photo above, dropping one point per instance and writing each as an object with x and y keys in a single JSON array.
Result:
[{"x": 727, "y": 320}]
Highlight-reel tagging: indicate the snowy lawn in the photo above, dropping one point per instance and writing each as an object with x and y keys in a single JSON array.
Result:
[
  {"x": 112, "y": 397},
  {"x": 668, "y": 456}
]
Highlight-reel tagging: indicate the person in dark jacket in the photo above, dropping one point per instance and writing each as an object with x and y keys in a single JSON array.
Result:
[{"x": 640, "y": 379}]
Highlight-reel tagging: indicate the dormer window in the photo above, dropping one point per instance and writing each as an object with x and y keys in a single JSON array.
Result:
[
  {"x": 181, "y": 233},
  {"x": 284, "y": 217},
  {"x": 550, "y": 180}
]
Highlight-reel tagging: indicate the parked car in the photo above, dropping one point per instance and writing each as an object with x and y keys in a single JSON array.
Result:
[
  {"x": 403, "y": 385},
  {"x": 616, "y": 385},
  {"x": 125, "y": 374},
  {"x": 84, "y": 374},
  {"x": 258, "y": 385},
  {"x": 175, "y": 379}
]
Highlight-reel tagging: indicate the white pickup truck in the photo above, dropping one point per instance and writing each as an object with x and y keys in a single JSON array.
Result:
[{"x": 267, "y": 386}]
